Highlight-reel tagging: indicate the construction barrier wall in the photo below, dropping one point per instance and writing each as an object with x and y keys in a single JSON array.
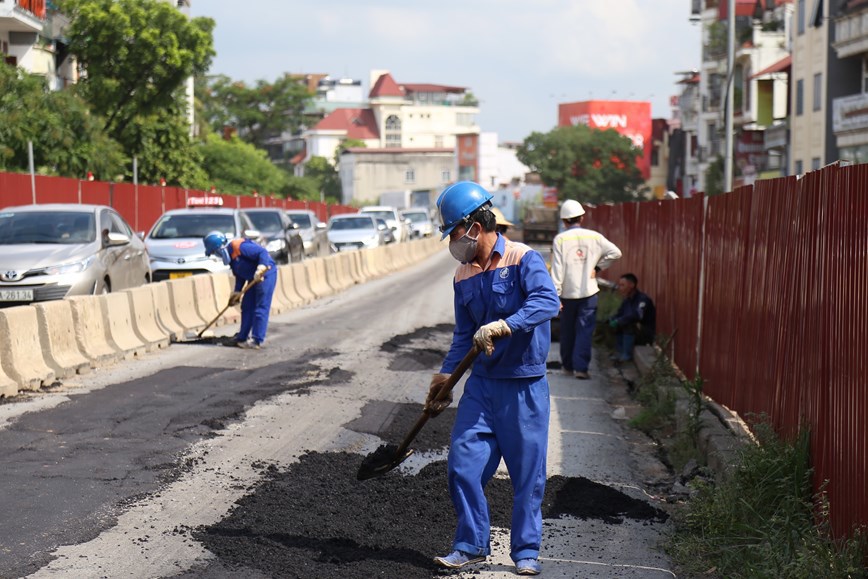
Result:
[{"x": 761, "y": 291}]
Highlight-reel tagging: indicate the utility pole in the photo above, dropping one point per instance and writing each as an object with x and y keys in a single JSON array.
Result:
[{"x": 730, "y": 78}]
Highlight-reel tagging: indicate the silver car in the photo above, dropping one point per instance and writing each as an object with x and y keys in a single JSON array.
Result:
[
  {"x": 355, "y": 231},
  {"x": 313, "y": 232},
  {"x": 175, "y": 241},
  {"x": 420, "y": 222},
  {"x": 52, "y": 251}
]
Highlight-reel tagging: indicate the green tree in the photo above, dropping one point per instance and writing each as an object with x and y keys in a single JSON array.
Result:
[
  {"x": 67, "y": 138},
  {"x": 303, "y": 188},
  {"x": 592, "y": 165},
  {"x": 237, "y": 167},
  {"x": 347, "y": 144},
  {"x": 714, "y": 177},
  {"x": 136, "y": 55},
  {"x": 325, "y": 175},
  {"x": 259, "y": 112}
]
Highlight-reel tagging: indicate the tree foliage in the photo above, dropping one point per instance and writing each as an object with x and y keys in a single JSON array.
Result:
[
  {"x": 240, "y": 168},
  {"x": 67, "y": 138},
  {"x": 257, "y": 113},
  {"x": 136, "y": 54},
  {"x": 325, "y": 175},
  {"x": 587, "y": 164}
]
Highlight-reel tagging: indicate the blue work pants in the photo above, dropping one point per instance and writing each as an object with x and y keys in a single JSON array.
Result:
[
  {"x": 578, "y": 321},
  {"x": 500, "y": 418},
  {"x": 624, "y": 343},
  {"x": 256, "y": 307}
]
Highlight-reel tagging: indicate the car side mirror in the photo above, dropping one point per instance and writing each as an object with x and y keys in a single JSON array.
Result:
[
  {"x": 381, "y": 227},
  {"x": 294, "y": 226},
  {"x": 252, "y": 234},
  {"x": 116, "y": 239},
  {"x": 140, "y": 235},
  {"x": 320, "y": 225}
]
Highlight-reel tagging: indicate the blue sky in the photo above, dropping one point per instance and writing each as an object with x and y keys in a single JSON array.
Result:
[{"x": 519, "y": 57}]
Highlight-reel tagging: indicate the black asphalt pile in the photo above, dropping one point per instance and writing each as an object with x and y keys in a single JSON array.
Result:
[
  {"x": 392, "y": 422},
  {"x": 315, "y": 519},
  {"x": 421, "y": 349}
]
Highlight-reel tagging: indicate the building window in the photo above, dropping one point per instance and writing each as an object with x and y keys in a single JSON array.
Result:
[
  {"x": 393, "y": 132},
  {"x": 800, "y": 16},
  {"x": 800, "y": 96},
  {"x": 410, "y": 175},
  {"x": 818, "y": 91},
  {"x": 438, "y": 142},
  {"x": 815, "y": 163},
  {"x": 817, "y": 16},
  {"x": 798, "y": 168},
  {"x": 445, "y": 176},
  {"x": 865, "y": 75}
]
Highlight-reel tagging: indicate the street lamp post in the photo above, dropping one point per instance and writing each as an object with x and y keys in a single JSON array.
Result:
[{"x": 730, "y": 65}]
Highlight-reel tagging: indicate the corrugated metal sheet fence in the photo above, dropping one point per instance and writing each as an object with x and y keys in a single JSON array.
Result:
[
  {"x": 140, "y": 205},
  {"x": 781, "y": 291}
]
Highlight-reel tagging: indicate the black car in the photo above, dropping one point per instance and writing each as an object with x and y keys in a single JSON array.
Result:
[{"x": 282, "y": 238}]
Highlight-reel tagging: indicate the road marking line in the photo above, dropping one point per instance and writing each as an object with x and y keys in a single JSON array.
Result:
[{"x": 619, "y": 565}]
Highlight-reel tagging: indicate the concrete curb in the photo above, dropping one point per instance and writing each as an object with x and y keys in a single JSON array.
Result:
[
  {"x": 57, "y": 335},
  {"x": 721, "y": 433},
  {"x": 20, "y": 350}
]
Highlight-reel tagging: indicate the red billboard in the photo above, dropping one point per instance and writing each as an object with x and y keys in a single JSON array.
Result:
[
  {"x": 468, "y": 157},
  {"x": 630, "y": 118}
]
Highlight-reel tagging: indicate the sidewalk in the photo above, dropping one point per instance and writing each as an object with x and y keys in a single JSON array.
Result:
[{"x": 586, "y": 440}]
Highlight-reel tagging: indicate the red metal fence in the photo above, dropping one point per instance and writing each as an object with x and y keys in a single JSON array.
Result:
[
  {"x": 766, "y": 289},
  {"x": 140, "y": 205}
]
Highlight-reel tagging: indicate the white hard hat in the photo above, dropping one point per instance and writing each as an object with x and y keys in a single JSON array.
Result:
[{"x": 571, "y": 209}]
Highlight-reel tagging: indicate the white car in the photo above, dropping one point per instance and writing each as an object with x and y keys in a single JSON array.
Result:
[
  {"x": 392, "y": 218},
  {"x": 355, "y": 231},
  {"x": 420, "y": 222}
]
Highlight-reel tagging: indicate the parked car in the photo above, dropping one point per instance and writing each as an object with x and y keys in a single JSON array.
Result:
[
  {"x": 282, "y": 236},
  {"x": 420, "y": 222},
  {"x": 52, "y": 251},
  {"x": 392, "y": 218},
  {"x": 354, "y": 231},
  {"x": 313, "y": 232},
  {"x": 175, "y": 241}
]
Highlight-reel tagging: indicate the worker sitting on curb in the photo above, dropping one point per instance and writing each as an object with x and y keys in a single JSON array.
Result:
[
  {"x": 502, "y": 224},
  {"x": 502, "y": 290},
  {"x": 635, "y": 322},
  {"x": 251, "y": 264}
]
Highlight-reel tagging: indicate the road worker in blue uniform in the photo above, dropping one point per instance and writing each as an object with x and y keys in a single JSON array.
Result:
[
  {"x": 250, "y": 262},
  {"x": 504, "y": 299}
]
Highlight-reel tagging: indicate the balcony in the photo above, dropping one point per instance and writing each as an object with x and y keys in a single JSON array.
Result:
[
  {"x": 851, "y": 34},
  {"x": 22, "y": 15},
  {"x": 849, "y": 115},
  {"x": 777, "y": 136}
]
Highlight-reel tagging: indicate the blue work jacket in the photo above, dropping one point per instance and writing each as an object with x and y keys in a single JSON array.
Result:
[{"x": 245, "y": 255}]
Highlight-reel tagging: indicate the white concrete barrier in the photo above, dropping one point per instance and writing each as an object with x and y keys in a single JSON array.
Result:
[
  {"x": 334, "y": 273},
  {"x": 144, "y": 316},
  {"x": 204, "y": 298},
  {"x": 57, "y": 336},
  {"x": 316, "y": 277},
  {"x": 224, "y": 283},
  {"x": 165, "y": 318},
  {"x": 287, "y": 287},
  {"x": 182, "y": 298},
  {"x": 351, "y": 266},
  {"x": 20, "y": 350},
  {"x": 91, "y": 333},
  {"x": 301, "y": 283},
  {"x": 119, "y": 317},
  {"x": 279, "y": 302},
  {"x": 8, "y": 387}
]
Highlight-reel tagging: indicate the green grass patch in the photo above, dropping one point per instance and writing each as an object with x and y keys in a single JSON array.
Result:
[{"x": 763, "y": 521}]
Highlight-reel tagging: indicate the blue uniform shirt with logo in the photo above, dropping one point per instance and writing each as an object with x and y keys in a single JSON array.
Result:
[
  {"x": 517, "y": 289},
  {"x": 246, "y": 255}
]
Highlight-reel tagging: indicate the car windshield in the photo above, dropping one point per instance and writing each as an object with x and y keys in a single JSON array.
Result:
[
  {"x": 194, "y": 225},
  {"x": 416, "y": 217},
  {"x": 352, "y": 223},
  {"x": 301, "y": 219},
  {"x": 387, "y": 215},
  {"x": 266, "y": 221},
  {"x": 61, "y": 227}
]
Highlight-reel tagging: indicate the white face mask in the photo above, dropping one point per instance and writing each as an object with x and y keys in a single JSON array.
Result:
[{"x": 464, "y": 248}]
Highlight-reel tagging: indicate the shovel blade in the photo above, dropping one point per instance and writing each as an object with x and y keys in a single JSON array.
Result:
[{"x": 381, "y": 461}]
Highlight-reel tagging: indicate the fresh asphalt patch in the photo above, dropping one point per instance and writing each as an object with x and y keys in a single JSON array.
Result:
[
  {"x": 421, "y": 349},
  {"x": 314, "y": 519},
  {"x": 392, "y": 422}
]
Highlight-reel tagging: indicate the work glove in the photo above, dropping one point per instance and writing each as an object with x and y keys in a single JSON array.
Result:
[
  {"x": 260, "y": 273},
  {"x": 613, "y": 322},
  {"x": 234, "y": 298},
  {"x": 484, "y": 336},
  {"x": 434, "y": 408}
]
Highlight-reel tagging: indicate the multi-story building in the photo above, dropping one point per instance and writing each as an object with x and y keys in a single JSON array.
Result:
[
  {"x": 682, "y": 175},
  {"x": 849, "y": 93},
  {"x": 31, "y": 38}
]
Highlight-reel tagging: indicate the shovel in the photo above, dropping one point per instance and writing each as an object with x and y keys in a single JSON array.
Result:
[
  {"x": 247, "y": 286},
  {"x": 388, "y": 456}
]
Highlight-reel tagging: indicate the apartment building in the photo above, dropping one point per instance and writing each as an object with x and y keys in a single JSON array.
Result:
[
  {"x": 849, "y": 68},
  {"x": 31, "y": 38}
]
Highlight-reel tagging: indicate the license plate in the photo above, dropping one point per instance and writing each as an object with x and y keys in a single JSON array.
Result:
[
  {"x": 16, "y": 295},
  {"x": 179, "y": 274}
]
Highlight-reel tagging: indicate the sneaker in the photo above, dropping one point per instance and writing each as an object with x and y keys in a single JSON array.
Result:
[
  {"x": 582, "y": 375},
  {"x": 249, "y": 345},
  {"x": 528, "y": 567},
  {"x": 567, "y": 371},
  {"x": 457, "y": 559}
]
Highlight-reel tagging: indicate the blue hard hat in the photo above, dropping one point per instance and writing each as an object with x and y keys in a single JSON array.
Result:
[
  {"x": 458, "y": 201},
  {"x": 214, "y": 242}
]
